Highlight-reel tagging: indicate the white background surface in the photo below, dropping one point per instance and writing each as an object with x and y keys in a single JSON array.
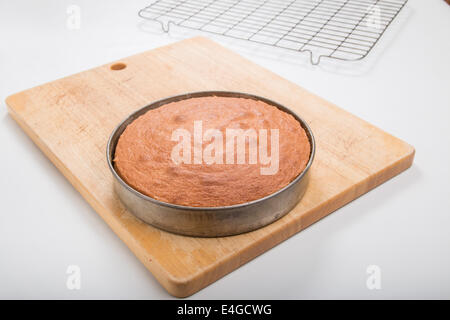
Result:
[{"x": 402, "y": 226}]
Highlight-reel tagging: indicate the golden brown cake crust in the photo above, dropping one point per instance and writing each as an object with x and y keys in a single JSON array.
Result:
[{"x": 143, "y": 152}]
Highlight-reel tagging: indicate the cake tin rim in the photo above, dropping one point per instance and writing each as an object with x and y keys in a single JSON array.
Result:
[{"x": 197, "y": 94}]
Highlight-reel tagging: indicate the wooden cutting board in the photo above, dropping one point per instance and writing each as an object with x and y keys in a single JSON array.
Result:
[{"x": 71, "y": 119}]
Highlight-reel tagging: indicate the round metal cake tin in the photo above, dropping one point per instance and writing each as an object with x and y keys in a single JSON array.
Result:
[{"x": 209, "y": 221}]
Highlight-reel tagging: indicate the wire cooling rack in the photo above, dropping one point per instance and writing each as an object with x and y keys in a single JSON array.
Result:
[{"x": 340, "y": 29}]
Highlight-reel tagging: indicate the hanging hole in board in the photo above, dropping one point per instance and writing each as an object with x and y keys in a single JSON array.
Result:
[{"x": 118, "y": 66}]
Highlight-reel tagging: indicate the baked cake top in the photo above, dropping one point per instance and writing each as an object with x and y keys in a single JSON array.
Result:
[{"x": 212, "y": 151}]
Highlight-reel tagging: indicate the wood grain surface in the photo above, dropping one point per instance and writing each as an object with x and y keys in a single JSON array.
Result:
[{"x": 71, "y": 119}]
